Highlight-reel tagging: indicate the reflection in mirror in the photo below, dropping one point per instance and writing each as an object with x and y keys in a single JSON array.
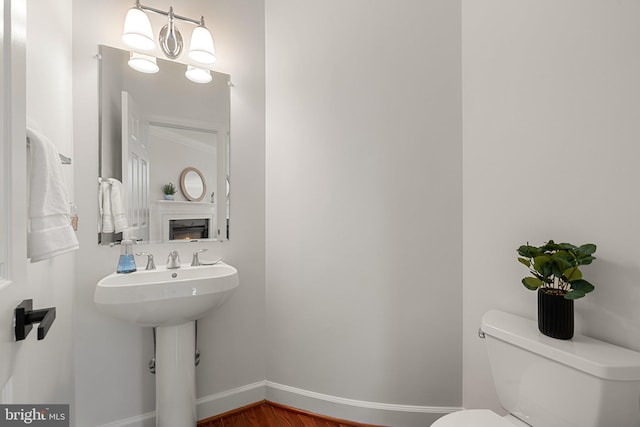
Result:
[
  {"x": 193, "y": 184},
  {"x": 152, "y": 128}
]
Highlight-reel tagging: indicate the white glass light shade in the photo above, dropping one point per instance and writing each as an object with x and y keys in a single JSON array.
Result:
[
  {"x": 198, "y": 75},
  {"x": 143, "y": 63},
  {"x": 137, "y": 32},
  {"x": 201, "y": 48}
]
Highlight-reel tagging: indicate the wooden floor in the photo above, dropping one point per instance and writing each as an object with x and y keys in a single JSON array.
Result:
[{"x": 268, "y": 414}]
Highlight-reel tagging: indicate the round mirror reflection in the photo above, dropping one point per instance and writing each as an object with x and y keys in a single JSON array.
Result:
[{"x": 192, "y": 184}]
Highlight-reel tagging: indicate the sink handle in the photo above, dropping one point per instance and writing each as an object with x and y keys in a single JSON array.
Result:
[
  {"x": 195, "y": 261},
  {"x": 150, "y": 264}
]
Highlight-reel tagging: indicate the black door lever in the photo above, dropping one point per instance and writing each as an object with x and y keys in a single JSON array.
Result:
[{"x": 26, "y": 316}]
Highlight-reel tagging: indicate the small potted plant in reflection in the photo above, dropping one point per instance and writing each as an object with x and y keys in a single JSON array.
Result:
[{"x": 169, "y": 190}]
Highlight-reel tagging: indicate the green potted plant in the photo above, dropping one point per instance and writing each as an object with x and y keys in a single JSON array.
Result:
[
  {"x": 169, "y": 190},
  {"x": 556, "y": 276}
]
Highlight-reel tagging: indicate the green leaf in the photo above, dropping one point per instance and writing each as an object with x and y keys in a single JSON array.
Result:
[
  {"x": 574, "y": 294},
  {"x": 581, "y": 285},
  {"x": 550, "y": 247},
  {"x": 532, "y": 283},
  {"x": 524, "y": 261},
  {"x": 586, "y": 260},
  {"x": 568, "y": 246},
  {"x": 528, "y": 251},
  {"x": 562, "y": 260},
  {"x": 586, "y": 249},
  {"x": 571, "y": 274},
  {"x": 540, "y": 261},
  {"x": 554, "y": 270}
]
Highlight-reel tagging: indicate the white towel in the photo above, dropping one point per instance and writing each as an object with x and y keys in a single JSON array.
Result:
[
  {"x": 105, "y": 225},
  {"x": 117, "y": 206},
  {"x": 50, "y": 232}
]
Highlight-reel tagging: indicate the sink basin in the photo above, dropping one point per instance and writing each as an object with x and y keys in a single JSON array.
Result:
[{"x": 166, "y": 297}]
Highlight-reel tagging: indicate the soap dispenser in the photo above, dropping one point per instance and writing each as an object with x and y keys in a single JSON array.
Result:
[{"x": 127, "y": 262}]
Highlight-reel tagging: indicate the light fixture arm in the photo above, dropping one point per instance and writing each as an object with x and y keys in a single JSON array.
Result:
[{"x": 162, "y": 12}]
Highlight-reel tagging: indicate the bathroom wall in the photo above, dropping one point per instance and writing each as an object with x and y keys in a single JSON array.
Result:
[
  {"x": 551, "y": 98},
  {"x": 364, "y": 209},
  {"x": 49, "y": 109},
  {"x": 113, "y": 384}
]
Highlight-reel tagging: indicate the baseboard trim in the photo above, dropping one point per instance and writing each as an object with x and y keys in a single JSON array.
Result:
[
  {"x": 356, "y": 410},
  {"x": 219, "y": 403},
  {"x": 362, "y": 403},
  {"x": 145, "y": 420},
  {"x": 205, "y": 406},
  {"x": 332, "y": 406}
]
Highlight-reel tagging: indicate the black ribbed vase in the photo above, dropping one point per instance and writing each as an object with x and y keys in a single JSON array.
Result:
[{"x": 555, "y": 314}]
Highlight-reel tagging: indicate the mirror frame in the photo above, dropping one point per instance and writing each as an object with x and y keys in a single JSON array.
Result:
[{"x": 183, "y": 185}]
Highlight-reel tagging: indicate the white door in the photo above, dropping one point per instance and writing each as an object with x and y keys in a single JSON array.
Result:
[
  {"x": 14, "y": 356},
  {"x": 135, "y": 168}
]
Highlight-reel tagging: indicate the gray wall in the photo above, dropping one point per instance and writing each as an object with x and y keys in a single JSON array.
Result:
[{"x": 364, "y": 200}]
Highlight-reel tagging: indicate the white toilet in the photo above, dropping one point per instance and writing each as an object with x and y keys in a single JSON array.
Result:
[{"x": 544, "y": 382}]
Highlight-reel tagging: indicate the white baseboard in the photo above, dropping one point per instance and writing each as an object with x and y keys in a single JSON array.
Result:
[
  {"x": 144, "y": 420},
  {"x": 206, "y": 407},
  {"x": 356, "y": 410},
  {"x": 332, "y": 406},
  {"x": 229, "y": 400}
]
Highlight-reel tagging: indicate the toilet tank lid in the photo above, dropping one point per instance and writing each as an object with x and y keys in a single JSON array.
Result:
[{"x": 595, "y": 357}]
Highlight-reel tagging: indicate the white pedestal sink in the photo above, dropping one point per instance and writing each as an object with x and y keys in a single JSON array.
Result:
[{"x": 169, "y": 300}]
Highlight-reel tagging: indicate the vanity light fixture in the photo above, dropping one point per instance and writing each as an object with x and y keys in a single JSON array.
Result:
[
  {"x": 198, "y": 75},
  {"x": 170, "y": 38},
  {"x": 201, "y": 49},
  {"x": 143, "y": 63},
  {"x": 138, "y": 34}
]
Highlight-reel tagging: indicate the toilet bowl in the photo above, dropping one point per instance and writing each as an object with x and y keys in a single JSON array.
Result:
[
  {"x": 477, "y": 418},
  {"x": 554, "y": 383},
  {"x": 472, "y": 417}
]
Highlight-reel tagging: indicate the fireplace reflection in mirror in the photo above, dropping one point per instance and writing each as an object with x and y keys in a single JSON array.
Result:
[{"x": 189, "y": 229}]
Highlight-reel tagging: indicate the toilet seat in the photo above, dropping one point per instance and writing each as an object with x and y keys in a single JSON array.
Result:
[{"x": 472, "y": 417}]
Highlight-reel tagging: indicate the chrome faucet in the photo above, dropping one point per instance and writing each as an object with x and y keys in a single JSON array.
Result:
[
  {"x": 150, "y": 264},
  {"x": 195, "y": 261},
  {"x": 173, "y": 261}
]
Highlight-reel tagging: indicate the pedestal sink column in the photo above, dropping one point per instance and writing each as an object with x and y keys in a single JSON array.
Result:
[
  {"x": 175, "y": 376},
  {"x": 176, "y": 296}
]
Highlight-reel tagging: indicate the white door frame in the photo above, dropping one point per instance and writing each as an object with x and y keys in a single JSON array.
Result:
[{"x": 13, "y": 286}]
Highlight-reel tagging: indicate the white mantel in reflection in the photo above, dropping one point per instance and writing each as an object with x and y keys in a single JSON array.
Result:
[{"x": 163, "y": 211}]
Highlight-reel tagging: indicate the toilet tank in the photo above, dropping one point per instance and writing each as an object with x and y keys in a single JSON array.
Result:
[{"x": 582, "y": 382}]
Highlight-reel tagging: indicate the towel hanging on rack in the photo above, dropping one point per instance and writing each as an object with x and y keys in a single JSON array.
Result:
[
  {"x": 63, "y": 159},
  {"x": 50, "y": 233},
  {"x": 111, "y": 206}
]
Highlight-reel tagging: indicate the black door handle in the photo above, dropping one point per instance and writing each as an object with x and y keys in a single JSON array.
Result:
[{"x": 26, "y": 316}]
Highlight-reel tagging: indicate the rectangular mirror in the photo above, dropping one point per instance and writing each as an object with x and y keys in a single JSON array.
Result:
[{"x": 159, "y": 129}]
